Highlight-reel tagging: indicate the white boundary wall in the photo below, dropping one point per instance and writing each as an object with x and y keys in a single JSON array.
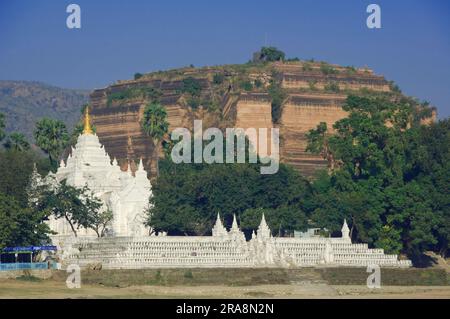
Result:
[{"x": 226, "y": 249}]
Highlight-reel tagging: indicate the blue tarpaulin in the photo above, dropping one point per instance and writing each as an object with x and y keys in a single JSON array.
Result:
[{"x": 28, "y": 248}]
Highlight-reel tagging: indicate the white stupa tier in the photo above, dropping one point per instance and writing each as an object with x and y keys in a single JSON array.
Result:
[{"x": 127, "y": 196}]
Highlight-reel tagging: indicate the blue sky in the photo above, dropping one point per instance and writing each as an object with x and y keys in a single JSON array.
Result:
[{"x": 119, "y": 38}]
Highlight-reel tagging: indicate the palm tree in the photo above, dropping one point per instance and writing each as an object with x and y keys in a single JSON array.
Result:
[
  {"x": 2, "y": 126},
  {"x": 18, "y": 142},
  {"x": 154, "y": 123},
  {"x": 52, "y": 137}
]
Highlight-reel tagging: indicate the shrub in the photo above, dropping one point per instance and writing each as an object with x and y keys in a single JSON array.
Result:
[
  {"x": 270, "y": 54},
  {"x": 28, "y": 277},
  {"x": 258, "y": 83},
  {"x": 191, "y": 86},
  {"x": 327, "y": 69},
  {"x": 312, "y": 85},
  {"x": 218, "y": 78},
  {"x": 332, "y": 87},
  {"x": 137, "y": 76},
  {"x": 246, "y": 85},
  {"x": 188, "y": 274},
  {"x": 193, "y": 102},
  {"x": 277, "y": 95},
  {"x": 307, "y": 66}
]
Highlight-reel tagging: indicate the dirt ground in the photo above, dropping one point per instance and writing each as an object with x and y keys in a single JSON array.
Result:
[{"x": 11, "y": 288}]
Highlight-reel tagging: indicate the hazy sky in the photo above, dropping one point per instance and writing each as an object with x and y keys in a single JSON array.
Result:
[{"x": 119, "y": 38}]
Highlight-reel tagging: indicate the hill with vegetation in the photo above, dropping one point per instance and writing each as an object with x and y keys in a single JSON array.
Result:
[
  {"x": 23, "y": 103},
  {"x": 268, "y": 92}
]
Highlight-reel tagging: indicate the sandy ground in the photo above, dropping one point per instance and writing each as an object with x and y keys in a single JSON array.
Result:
[{"x": 52, "y": 289}]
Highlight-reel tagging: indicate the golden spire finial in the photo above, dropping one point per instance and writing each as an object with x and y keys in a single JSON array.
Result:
[{"x": 87, "y": 123}]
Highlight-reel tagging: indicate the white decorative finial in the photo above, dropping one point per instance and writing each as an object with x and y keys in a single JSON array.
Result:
[
  {"x": 263, "y": 220},
  {"x": 345, "y": 230},
  {"x": 234, "y": 225},
  {"x": 62, "y": 164},
  {"x": 141, "y": 165},
  {"x": 218, "y": 229},
  {"x": 263, "y": 228}
]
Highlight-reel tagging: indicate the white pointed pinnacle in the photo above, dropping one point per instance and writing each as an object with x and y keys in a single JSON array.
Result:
[
  {"x": 263, "y": 223},
  {"x": 345, "y": 231},
  {"x": 114, "y": 161},
  {"x": 345, "y": 226},
  {"x": 263, "y": 229},
  {"x": 61, "y": 163},
  {"x": 218, "y": 221},
  {"x": 234, "y": 225},
  {"x": 141, "y": 165}
]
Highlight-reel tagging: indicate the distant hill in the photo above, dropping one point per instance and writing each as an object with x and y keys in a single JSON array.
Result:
[{"x": 25, "y": 102}]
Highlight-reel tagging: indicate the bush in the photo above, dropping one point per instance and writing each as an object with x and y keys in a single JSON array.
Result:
[
  {"x": 332, "y": 87},
  {"x": 270, "y": 54},
  {"x": 188, "y": 274},
  {"x": 191, "y": 86},
  {"x": 193, "y": 102},
  {"x": 312, "y": 85},
  {"x": 28, "y": 277},
  {"x": 327, "y": 69},
  {"x": 307, "y": 66},
  {"x": 218, "y": 78},
  {"x": 277, "y": 95},
  {"x": 246, "y": 85},
  {"x": 258, "y": 83},
  {"x": 137, "y": 76}
]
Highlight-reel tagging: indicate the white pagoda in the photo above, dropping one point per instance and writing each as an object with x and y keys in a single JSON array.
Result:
[{"x": 127, "y": 196}]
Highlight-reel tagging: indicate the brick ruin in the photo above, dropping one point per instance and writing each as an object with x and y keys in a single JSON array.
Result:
[{"x": 309, "y": 101}]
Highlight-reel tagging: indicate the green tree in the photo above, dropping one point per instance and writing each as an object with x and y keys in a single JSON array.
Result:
[
  {"x": 154, "y": 124},
  {"x": 65, "y": 201},
  {"x": 2, "y": 126},
  {"x": 20, "y": 226},
  {"x": 101, "y": 219},
  {"x": 277, "y": 95},
  {"x": 389, "y": 184},
  {"x": 271, "y": 54},
  {"x": 52, "y": 137},
  {"x": 17, "y": 141},
  {"x": 95, "y": 216},
  {"x": 15, "y": 171},
  {"x": 318, "y": 143},
  {"x": 8, "y": 225}
]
